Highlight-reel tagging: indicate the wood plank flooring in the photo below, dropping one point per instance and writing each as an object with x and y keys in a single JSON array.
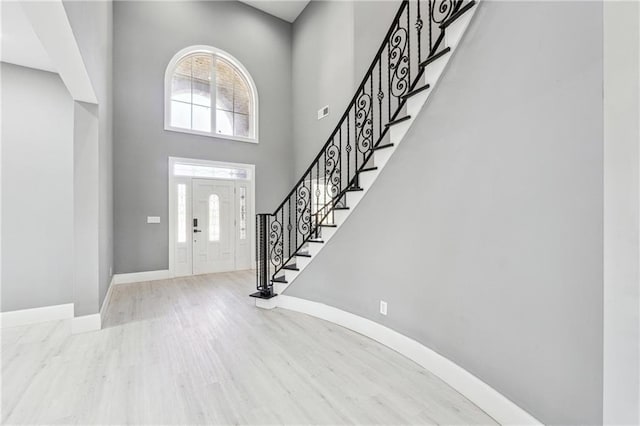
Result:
[{"x": 196, "y": 351}]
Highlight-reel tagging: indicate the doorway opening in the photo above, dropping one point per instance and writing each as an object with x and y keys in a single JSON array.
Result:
[{"x": 211, "y": 216}]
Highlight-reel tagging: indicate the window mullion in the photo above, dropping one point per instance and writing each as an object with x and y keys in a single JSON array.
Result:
[
  {"x": 212, "y": 89},
  {"x": 191, "y": 88}
]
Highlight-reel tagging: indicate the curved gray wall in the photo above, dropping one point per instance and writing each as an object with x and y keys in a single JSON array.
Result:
[
  {"x": 146, "y": 36},
  {"x": 484, "y": 231}
]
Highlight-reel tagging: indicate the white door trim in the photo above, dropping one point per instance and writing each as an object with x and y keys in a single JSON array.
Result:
[{"x": 172, "y": 161}]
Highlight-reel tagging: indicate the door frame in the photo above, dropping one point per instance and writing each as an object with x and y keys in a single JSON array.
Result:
[{"x": 172, "y": 161}]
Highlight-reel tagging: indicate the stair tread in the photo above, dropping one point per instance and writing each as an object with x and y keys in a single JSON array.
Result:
[
  {"x": 303, "y": 254},
  {"x": 415, "y": 91},
  {"x": 313, "y": 240},
  {"x": 368, "y": 169},
  {"x": 341, "y": 208},
  {"x": 354, "y": 189},
  {"x": 434, "y": 57},
  {"x": 291, "y": 267},
  {"x": 387, "y": 145},
  {"x": 397, "y": 120},
  {"x": 280, "y": 279},
  {"x": 328, "y": 225}
]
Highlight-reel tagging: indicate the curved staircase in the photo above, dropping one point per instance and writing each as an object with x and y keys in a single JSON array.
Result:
[{"x": 412, "y": 58}]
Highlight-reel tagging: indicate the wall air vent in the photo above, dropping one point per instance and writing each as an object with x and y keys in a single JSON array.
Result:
[{"x": 323, "y": 112}]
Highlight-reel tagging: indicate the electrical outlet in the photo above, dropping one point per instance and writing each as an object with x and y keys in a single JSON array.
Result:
[{"x": 383, "y": 307}]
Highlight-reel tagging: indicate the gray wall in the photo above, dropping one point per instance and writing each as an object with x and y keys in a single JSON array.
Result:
[
  {"x": 37, "y": 189},
  {"x": 146, "y": 36},
  {"x": 621, "y": 213},
  {"x": 92, "y": 24},
  {"x": 333, "y": 45},
  {"x": 322, "y": 75},
  {"x": 484, "y": 231},
  {"x": 86, "y": 261}
]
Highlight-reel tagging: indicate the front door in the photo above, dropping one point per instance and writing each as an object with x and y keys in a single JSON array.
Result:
[{"x": 214, "y": 238}]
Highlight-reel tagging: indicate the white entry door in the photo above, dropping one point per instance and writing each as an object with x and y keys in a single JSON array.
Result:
[{"x": 214, "y": 236}]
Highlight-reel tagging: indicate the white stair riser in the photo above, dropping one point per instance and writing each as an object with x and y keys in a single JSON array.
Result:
[
  {"x": 290, "y": 275},
  {"x": 278, "y": 288},
  {"x": 314, "y": 248},
  {"x": 339, "y": 216},
  {"x": 381, "y": 157},
  {"x": 302, "y": 262},
  {"x": 367, "y": 179},
  {"x": 399, "y": 130},
  {"x": 415, "y": 102},
  {"x": 353, "y": 198},
  {"x": 328, "y": 232}
]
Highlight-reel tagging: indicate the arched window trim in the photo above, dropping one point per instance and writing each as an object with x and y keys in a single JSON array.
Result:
[{"x": 168, "y": 75}]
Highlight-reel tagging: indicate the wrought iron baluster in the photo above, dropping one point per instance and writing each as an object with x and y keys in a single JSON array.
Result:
[
  {"x": 380, "y": 96},
  {"x": 317, "y": 194},
  {"x": 408, "y": 47},
  {"x": 389, "y": 80},
  {"x": 348, "y": 149},
  {"x": 430, "y": 17},
  {"x": 289, "y": 227},
  {"x": 419, "y": 30},
  {"x": 373, "y": 133}
]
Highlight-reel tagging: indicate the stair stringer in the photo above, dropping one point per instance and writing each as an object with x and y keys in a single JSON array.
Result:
[{"x": 453, "y": 37}]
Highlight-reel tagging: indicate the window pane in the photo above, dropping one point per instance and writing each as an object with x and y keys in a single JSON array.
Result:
[
  {"x": 182, "y": 213},
  {"x": 224, "y": 97},
  {"x": 241, "y": 125},
  {"x": 181, "y": 88},
  {"x": 214, "y": 218},
  {"x": 216, "y": 172},
  {"x": 201, "y": 93},
  {"x": 224, "y": 122},
  {"x": 180, "y": 115},
  {"x": 201, "y": 118},
  {"x": 184, "y": 67},
  {"x": 201, "y": 69},
  {"x": 241, "y": 96},
  {"x": 224, "y": 73},
  {"x": 243, "y": 213}
]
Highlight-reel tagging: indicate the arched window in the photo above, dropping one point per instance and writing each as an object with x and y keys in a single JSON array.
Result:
[{"x": 208, "y": 92}]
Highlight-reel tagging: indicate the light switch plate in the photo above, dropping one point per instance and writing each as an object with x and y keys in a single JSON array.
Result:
[{"x": 153, "y": 219}]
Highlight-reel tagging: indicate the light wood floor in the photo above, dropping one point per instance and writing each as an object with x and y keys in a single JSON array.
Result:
[{"x": 196, "y": 351}]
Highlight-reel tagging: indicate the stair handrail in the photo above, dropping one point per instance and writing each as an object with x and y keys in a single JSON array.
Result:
[{"x": 271, "y": 252}]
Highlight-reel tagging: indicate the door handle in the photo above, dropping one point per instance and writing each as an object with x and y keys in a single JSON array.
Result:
[{"x": 197, "y": 230}]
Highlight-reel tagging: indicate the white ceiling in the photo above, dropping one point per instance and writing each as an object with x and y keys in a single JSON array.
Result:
[
  {"x": 283, "y": 9},
  {"x": 20, "y": 44}
]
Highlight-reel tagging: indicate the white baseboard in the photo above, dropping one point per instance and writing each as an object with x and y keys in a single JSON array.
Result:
[
  {"x": 86, "y": 323},
  {"x": 36, "y": 315},
  {"x": 484, "y": 396},
  {"x": 136, "y": 277},
  {"x": 107, "y": 298}
]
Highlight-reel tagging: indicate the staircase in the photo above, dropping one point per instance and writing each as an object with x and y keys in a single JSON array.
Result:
[{"x": 413, "y": 55}]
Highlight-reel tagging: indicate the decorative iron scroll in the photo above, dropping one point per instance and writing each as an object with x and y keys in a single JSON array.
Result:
[{"x": 399, "y": 62}]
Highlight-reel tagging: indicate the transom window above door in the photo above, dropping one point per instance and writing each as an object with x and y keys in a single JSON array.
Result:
[{"x": 208, "y": 92}]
